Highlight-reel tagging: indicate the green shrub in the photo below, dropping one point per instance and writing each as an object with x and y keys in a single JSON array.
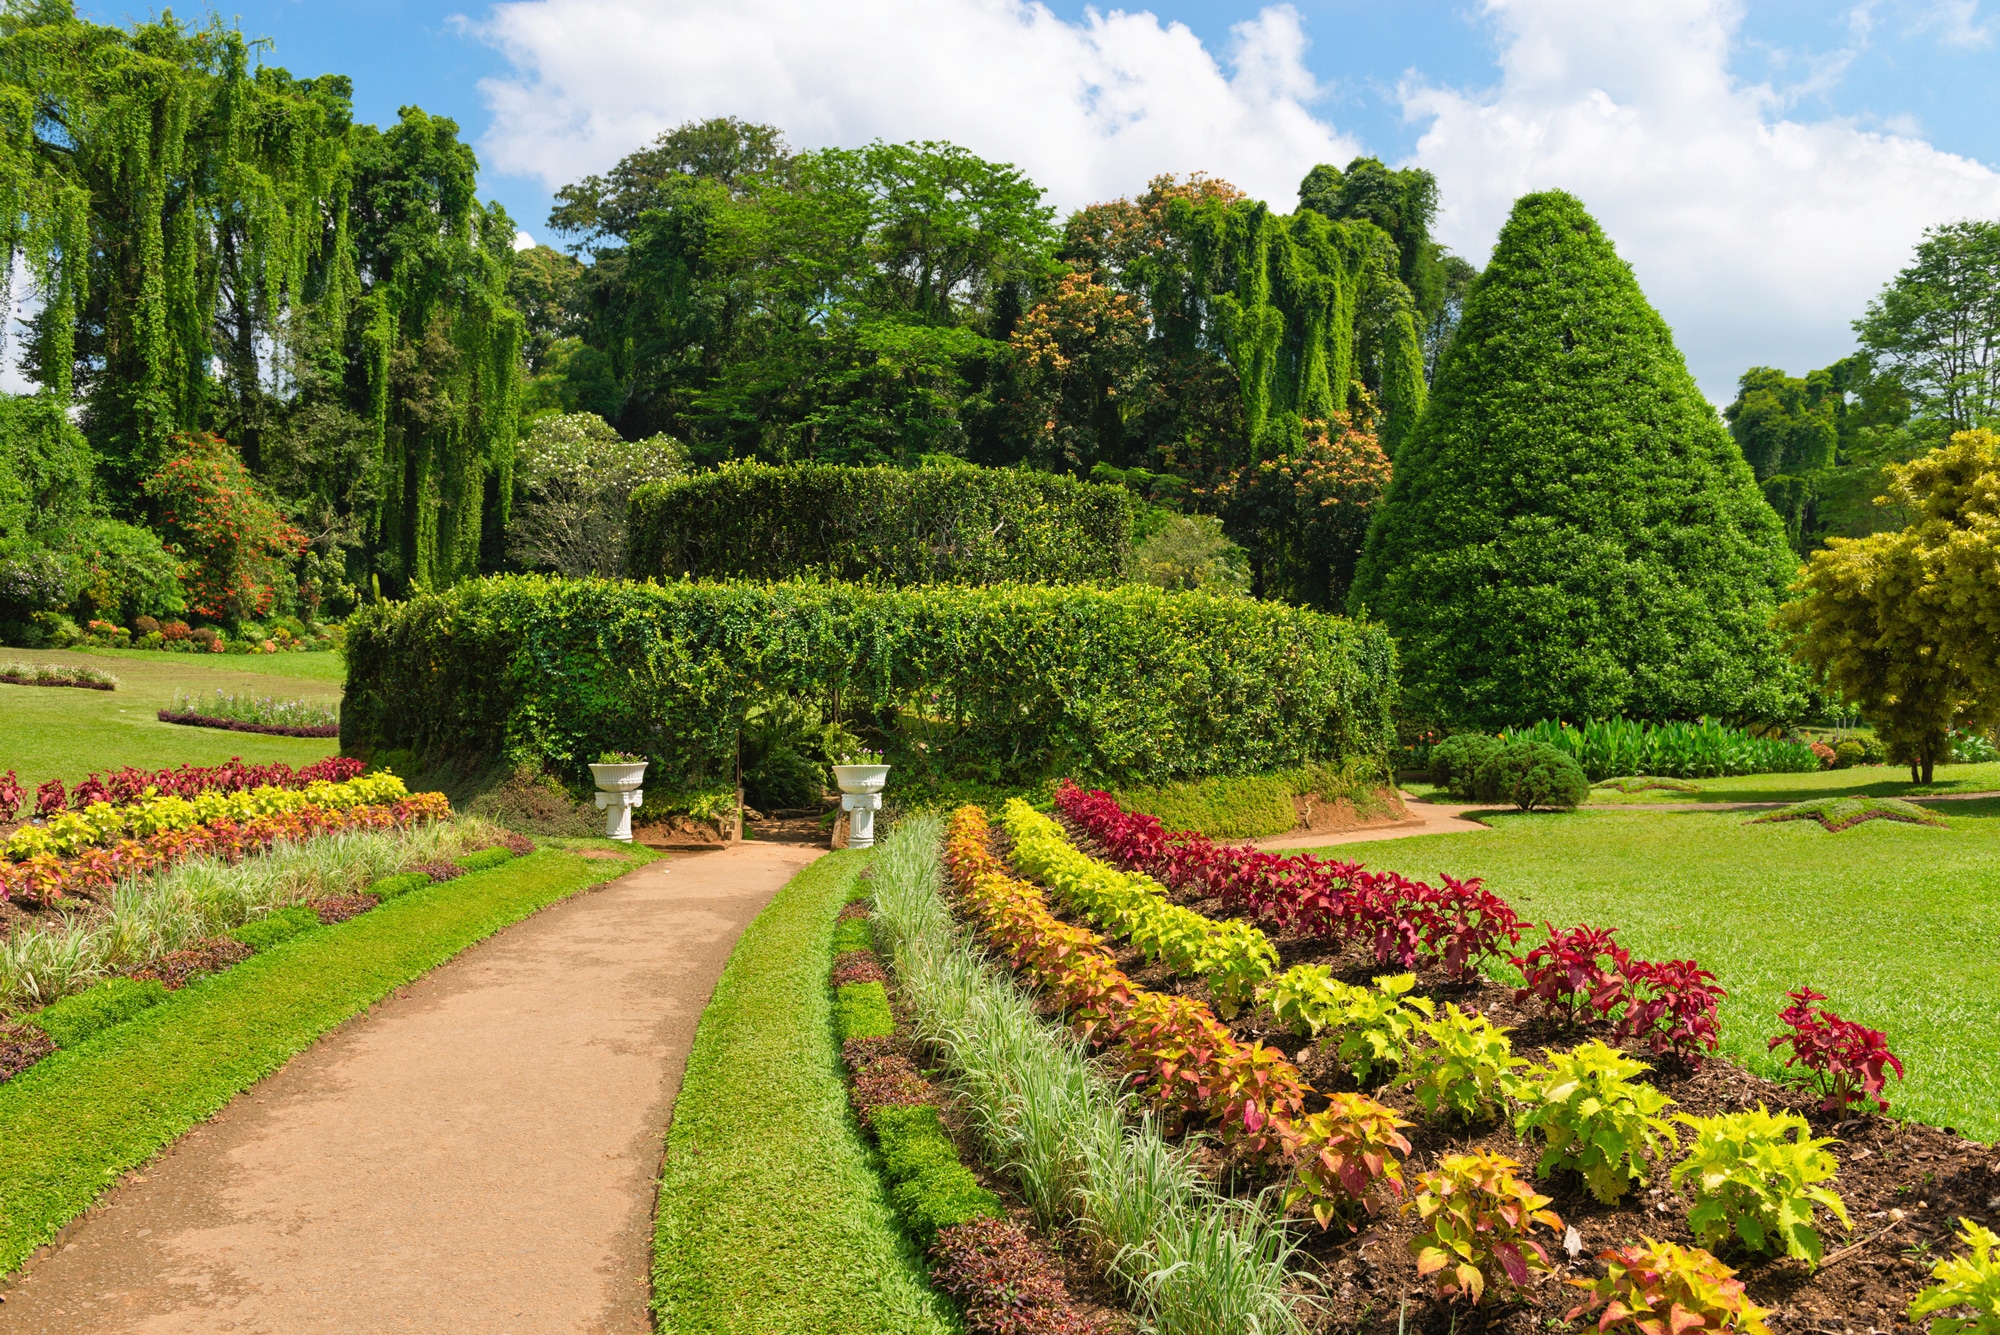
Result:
[
  {"x": 267, "y": 931},
  {"x": 1849, "y": 754},
  {"x": 1455, "y": 762},
  {"x": 929, "y": 1187},
  {"x": 75, "y": 1018},
  {"x": 1460, "y": 1067},
  {"x": 485, "y": 859},
  {"x": 1609, "y": 748},
  {"x": 861, "y": 1010},
  {"x": 1008, "y": 684},
  {"x": 1571, "y": 532},
  {"x": 1252, "y": 806},
  {"x": 895, "y": 526},
  {"x": 853, "y": 934},
  {"x": 400, "y": 884},
  {"x": 1531, "y": 774}
]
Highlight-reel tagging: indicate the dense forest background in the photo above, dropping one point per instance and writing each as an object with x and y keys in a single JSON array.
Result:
[{"x": 285, "y": 362}]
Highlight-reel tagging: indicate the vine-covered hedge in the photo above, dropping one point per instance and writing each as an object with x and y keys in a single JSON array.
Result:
[
  {"x": 1007, "y": 683},
  {"x": 961, "y": 525}
]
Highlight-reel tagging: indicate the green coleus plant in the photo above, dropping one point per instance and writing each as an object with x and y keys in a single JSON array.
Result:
[
  {"x": 1593, "y": 1117},
  {"x": 1461, "y": 1066},
  {"x": 1756, "y": 1178},
  {"x": 1368, "y": 1029},
  {"x": 1965, "y": 1284}
]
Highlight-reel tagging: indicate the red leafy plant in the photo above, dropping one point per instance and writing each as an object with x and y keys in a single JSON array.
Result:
[
  {"x": 1848, "y": 1061},
  {"x": 51, "y": 799},
  {"x": 12, "y": 794},
  {"x": 1671, "y": 1007},
  {"x": 1580, "y": 970},
  {"x": 1007, "y": 1284}
]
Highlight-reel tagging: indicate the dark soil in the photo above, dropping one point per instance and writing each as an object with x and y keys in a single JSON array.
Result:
[
  {"x": 1316, "y": 815},
  {"x": 339, "y": 908},
  {"x": 1928, "y": 1177},
  {"x": 21, "y": 1046},
  {"x": 182, "y": 967}
]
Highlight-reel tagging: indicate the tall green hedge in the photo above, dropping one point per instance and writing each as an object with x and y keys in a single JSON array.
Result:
[
  {"x": 953, "y": 525},
  {"x": 1571, "y": 533},
  {"x": 996, "y": 684}
]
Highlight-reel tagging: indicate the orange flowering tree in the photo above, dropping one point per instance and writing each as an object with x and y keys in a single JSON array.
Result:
[{"x": 235, "y": 546}]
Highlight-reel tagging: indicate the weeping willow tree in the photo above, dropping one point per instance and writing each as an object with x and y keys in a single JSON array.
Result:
[
  {"x": 172, "y": 207},
  {"x": 215, "y": 246},
  {"x": 439, "y": 345}
]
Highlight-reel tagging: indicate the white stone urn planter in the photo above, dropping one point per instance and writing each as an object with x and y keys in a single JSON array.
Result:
[
  {"x": 618, "y": 792},
  {"x": 861, "y": 797}
]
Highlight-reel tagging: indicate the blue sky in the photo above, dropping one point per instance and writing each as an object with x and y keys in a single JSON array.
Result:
[{"x": 1765, "y": 166}]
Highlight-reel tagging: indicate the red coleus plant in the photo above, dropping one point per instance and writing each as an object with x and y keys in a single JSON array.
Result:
[
  {"x": 12, "y": 794},
  {"x": 1671, "y": 1008},
  {"x": 1582, "y": 969},
  {"x": 51, "y": 799},
  {"x": 1849, "y": 1062}
]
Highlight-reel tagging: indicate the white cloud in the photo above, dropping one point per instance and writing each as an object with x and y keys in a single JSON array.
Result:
[
  {"x": 1090, "y": 110},
  {"x": 522, "y": 241},
  {"x": 1758, "y": 236},
  {"x": 1956, "y": 22}
]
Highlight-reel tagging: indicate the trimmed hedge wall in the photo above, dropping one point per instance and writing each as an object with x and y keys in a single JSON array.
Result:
[
  {"x": 881, "y": 525},
  {"x": 1004, "y": 684}
]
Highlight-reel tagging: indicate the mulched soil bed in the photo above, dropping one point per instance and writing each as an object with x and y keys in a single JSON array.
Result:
[
  {"x": 182, "y": 967},
  {"x": 238, "y": 725},
  {"x": 339, "y": 908},
  {"x": 858, "y": 966},
  {"x": 21, "y": 1046},
  {"x": 1932, "y": 1176}
]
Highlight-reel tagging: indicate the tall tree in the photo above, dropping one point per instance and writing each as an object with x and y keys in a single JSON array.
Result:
[
  {"x": 1935, "y": 329},
  {"x": 1570, "y": 532}
]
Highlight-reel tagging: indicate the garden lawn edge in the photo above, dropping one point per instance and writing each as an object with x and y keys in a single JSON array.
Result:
[
  {"x": 80, "y": 1117},
  {"x": 772, "y": 1217}
]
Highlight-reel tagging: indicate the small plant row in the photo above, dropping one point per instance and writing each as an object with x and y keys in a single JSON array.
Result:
[
  {"x": 45, "y": 878},
  {"x": 1232, "y": 956},
  {"x": 1607, "y": 748},
  {"x": 70, "y": 832},
  {"x": 1005, "y": 1281},
  {"x": 129, "y": 785},
  {"x": 1756, "y": 1179},
  {"x": 257, "y": 712},
  {"x": 1669, "y": 1007},
  {"x": 74, "y": 1019},
  {"x": 57, "y": 674},
  {"x": 191, "y": 719}
]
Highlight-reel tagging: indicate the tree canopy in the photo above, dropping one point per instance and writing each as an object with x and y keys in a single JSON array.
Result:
[{"x": 1570, "y": 531}]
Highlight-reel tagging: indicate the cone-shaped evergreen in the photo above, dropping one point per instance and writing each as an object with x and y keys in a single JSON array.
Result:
[{"x": 1571, "y": 533}]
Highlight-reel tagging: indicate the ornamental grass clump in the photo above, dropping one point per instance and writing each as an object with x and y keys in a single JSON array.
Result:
[
  {"x": 1756, "y": 1179},
  {"x": 1593, "y": 1117},
  {"x": 1659, "y": 1288}
]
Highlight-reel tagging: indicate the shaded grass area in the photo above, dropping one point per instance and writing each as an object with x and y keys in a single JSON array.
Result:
[
  {"x": 77, "y": 1119},
  {"x": 50, "y": 733},
  {"x": 1898, "y": 924},
  {"x": 772, "y": 1219},
  {"x": 1860, "y": 781}
]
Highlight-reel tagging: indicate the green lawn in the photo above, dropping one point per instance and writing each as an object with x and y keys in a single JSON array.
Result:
[
  {"x": 79, "y": 1118},
  {"x": 327, "y": 666},
  {"x": 772, "y": 1220},
  {"x": 1898, "y": 924},
  {"x": 61, "y": 732},
  {"x": 1863, "y": 780}
]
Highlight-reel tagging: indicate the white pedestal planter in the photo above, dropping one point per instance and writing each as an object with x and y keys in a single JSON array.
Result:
[
  {"x": 618, "y": 792},
  {"x": 861, "y": 797}
]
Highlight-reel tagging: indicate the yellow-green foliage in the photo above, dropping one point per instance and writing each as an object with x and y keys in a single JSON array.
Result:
[
  {"x": 1233, "y": 956},
  {"x": 1460, "y": 1065},
  {"x": 1255, "y": 805},
  {"x": 1756, "y": 1176},
  {"x": 1965, "y": 1283},
  {"x": 71, "y": 832},
  {"x": 1368, "y": 1030},
  {"x": 1594, "y": 1117}
]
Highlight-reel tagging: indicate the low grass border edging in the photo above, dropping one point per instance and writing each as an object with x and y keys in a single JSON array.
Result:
[
  {"x": 772, "y": 1219},
  {"x": 83, "y": 1115}
]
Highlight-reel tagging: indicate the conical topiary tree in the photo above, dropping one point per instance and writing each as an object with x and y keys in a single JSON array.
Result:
[{"x": 1571, "y": 532}]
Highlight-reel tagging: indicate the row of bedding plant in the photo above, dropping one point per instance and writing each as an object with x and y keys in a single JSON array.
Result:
[
  {"x": 254, "y": 713},
  {"x": 1420, "y": 1068},
  {"x": 1089, "y": 1161},
  {"x": 1006, "y": 1280}
]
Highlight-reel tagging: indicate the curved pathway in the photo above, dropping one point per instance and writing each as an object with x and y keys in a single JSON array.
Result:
[
  {"x": 476, "y": 1154},
  {"x": 1425, "y": 818}
]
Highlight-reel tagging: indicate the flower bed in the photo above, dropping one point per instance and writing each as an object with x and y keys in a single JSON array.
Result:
[
  {"x": 1447, "y": 1073},
  {"x": 240, "y": 725},
  {"x": 130, "y": 785},
  {"x": 57, "y": 674}
]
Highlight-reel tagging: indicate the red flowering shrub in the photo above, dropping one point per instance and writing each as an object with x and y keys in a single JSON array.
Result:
[
  {"x": 1847, "y": 1059},
  {"x": 235, "y": 545}
]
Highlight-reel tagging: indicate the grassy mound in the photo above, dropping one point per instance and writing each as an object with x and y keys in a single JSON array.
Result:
[
  {"x": 1844, "y": 813},
  {"x": 772, "y": 1220}
]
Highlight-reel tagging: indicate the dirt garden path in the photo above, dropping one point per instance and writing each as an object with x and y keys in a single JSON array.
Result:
[
  {"x": 1425, "y": 818},
  {"x": 476, "y": 1154}
]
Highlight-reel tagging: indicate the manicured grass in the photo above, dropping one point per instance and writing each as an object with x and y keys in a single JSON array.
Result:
[
  {"x": 63, "y": 733},
  {"x": 321, "y": 665},
  {"x": 1861, "y": 781},
  {"x": 76, "y": 1120},
  {"x": 772, "y": 1219},
  {"x": 1898, "y": 924}
]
